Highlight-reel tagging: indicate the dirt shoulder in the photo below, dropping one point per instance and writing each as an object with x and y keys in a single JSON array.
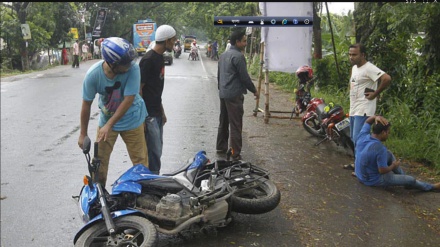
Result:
[{"x": 328, "y": 206}]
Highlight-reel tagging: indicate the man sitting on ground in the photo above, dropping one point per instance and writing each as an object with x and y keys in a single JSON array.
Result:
[{"x": 375, "y": 165}]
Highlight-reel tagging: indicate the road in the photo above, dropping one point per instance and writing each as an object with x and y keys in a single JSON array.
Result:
[{"x": 322, "y": 205}]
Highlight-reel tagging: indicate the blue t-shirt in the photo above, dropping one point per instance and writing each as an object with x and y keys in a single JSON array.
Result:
[
  {"x": 370, "y": 155},
  {"x": 111, "y": 94}
]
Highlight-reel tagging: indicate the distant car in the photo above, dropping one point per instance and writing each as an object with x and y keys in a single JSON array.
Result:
[
  {"x": 167, "y": 56},
  {"x": 187, "y": 43}
]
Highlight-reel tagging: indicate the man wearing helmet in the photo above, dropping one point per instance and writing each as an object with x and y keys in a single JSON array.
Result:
[
  {"x": 122, "y": 110},
  {"x": 152, "y": 83}
]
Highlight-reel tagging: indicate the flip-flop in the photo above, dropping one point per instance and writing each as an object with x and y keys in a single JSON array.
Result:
[{"x": 348, "y": 167}]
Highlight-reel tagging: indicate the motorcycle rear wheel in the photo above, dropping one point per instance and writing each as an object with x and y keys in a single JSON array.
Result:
[
  {"x": 131, "y": 231},
  {"x": 258, "y": 200}
]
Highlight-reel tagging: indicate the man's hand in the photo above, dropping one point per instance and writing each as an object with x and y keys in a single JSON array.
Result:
[
  {"x": 81, "y": 141},
  {"x": 257, "y": 96},
  {"x": 370, "y": 95},
  {"x": 382, "y": 120},
  {"x": 103, "y": 133}
]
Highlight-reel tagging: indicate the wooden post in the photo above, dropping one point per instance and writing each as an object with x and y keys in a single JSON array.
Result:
[
  {"x": 260, "y": 77},
  {"x": 266, "y": 95}
]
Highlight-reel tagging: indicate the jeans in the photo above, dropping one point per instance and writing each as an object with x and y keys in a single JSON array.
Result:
[
  {"x": 356, "y": 123},
  {"x": 154, "y": 139},
  {"x": 397, "y": 177}
]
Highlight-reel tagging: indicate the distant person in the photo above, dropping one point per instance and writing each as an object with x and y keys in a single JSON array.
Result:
[
  {"x": 152, "y": 67},
  {"x": 85, "y": 51},
  {"x": 364, "y": 90},
  {"x": 214, "y": 54},
  {"x": 233, "y": 83},
  {"x": 375, "y": 165},
  {"x": 122, "y": 110},
  {"x": 228, "y": 45},
  {"x": 75, "y": 55}
]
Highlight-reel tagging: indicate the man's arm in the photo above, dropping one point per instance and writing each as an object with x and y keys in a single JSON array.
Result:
[
  {"x": 244, "y": 75},
  {"x": 385, "y": 81},
  {"x": 394, "y": 165},
  {"x": 84, "y": 121}
]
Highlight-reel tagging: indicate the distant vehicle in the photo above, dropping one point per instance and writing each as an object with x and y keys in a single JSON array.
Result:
[
  {"x": 143, "y": 34},
  {"x": 187, "y": 42},
  {"x": 167, "y": 56}
]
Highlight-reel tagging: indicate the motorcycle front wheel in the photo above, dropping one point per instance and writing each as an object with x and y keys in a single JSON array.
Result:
[
  {"x": 256, "y": 200},
  {"x": 313, "y": 126},
  {"x": 132, "y": 231}
]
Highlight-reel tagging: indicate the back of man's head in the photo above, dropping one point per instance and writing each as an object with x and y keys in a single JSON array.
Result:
[
  {"x": 379, "y": 127},
  {"x": 237, "y": 35}
]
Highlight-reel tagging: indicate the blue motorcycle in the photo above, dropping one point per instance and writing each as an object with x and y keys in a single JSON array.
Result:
[{"x": 201, "y": 194}]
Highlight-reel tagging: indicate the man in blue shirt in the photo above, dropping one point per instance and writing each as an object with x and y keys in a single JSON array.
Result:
[
  {"x": 375, "y": 165},
  {"x": 122, "y": 110}
]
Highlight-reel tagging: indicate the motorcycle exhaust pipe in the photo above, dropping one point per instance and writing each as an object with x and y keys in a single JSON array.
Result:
[{"x": 182, "y": 226}]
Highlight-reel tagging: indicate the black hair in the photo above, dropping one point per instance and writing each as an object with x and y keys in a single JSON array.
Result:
[
  {"x": 379, "y": 127},
  {"x": 237, "y": 35},
  {"x": 361, "y": 47}
]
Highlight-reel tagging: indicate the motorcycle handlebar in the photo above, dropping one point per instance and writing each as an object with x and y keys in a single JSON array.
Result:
[{"x": 95, "y": 150}]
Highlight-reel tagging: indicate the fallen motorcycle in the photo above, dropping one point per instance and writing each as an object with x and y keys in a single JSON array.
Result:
[
  {"x": 329, "y": 122},
  {"x": 200, "y": 194}
]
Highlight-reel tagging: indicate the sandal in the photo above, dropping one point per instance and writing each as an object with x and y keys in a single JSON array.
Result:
[{"x": 348, "y": 167}]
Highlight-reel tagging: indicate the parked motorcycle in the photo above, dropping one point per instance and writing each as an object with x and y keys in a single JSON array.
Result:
[
  {"x": 200, "y": 194},
  {"x": 329, "y": 122},
  {"x": 177, "y": 51}
]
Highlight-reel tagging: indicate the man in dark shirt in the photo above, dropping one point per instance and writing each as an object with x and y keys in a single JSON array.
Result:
[
  {"x": 233, "y": 82},
  {"x": 152, "y": 82}
]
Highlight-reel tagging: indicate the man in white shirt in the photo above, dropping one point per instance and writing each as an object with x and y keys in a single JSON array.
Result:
[
  {"x": 75, "y": 55},
  {"x": 85, "y": 51},
  {"x": 364, "y": 90},
  {"x": 228, "y": 45}
]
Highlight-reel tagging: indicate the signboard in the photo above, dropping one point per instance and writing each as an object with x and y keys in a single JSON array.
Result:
[
  {"x": 74, "y": 31},
  {"x": 297, "y": 40},
  {"x": 89, "y": 36},
  {"x": 99, "y": 22},
  {"x": 143, "y": 35},
  {"x": 25, "y": 31}
]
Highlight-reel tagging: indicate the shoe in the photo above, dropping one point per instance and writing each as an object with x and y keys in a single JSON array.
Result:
[
  {"x": 236, "y": 157},
  {"x": 348, "y": 167}
]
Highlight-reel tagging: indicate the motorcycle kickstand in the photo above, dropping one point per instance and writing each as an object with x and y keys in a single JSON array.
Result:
[{"x": 321, "y": 141}]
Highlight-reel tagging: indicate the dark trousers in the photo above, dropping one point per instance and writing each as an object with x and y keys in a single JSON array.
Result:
[
  {"x": 231, "y": 124},
  {"x": 75, "y": 61}
]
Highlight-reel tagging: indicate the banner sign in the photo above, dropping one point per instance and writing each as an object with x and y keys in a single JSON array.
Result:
[
  {"x": 99, "y": 22},
  {"x": 287, "y": 48},
  {"x": 74, "y": 31},
  {"x": 25, "y": 31}
]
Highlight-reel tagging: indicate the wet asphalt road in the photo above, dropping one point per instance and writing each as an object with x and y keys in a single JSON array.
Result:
[{"x": 322, "y": 205}]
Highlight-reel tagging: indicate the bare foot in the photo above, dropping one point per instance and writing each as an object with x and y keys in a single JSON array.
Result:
[{"x": 436, "y": 186}]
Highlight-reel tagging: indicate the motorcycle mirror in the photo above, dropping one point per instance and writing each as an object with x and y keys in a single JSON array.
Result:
[{"x": 86, "y": 145}]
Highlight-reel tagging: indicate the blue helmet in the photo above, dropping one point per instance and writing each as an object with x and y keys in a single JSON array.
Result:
[{"x": 117, "y": 51}]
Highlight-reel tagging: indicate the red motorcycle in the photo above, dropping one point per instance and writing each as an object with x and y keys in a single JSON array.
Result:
[
  {"x": 303, "y": 96},
  {"x": 329, "y": 122}
]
